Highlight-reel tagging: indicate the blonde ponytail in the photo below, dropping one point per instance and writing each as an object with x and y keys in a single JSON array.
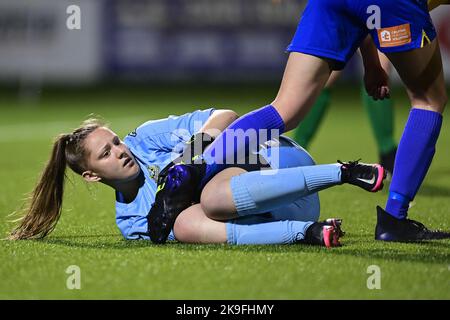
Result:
[{"x": 45, "y": 203}]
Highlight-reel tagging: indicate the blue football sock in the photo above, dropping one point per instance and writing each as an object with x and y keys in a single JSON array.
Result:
[
  {"x": 228, "y": 145},
  {"x": 414, "y": 155},
  {"x": 276, "y": 232},
  {"x": 259, "y": 192}
]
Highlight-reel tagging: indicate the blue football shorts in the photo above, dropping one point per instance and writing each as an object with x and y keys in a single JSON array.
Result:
[{"x": 334, "y": 29}]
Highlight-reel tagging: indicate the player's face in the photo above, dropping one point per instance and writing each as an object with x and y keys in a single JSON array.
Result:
[{"x": 108, "y": 157}]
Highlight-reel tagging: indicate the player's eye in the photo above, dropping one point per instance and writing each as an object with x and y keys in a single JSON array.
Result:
[
  {"x": 116, "y": 141},
  {"x": 105, "y": 154}
]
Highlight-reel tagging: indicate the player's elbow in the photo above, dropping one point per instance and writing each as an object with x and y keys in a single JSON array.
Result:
[{"x": 229, "y": 114}]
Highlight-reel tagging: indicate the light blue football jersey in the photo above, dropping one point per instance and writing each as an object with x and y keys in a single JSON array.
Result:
[{"x": 154, "y": 144}]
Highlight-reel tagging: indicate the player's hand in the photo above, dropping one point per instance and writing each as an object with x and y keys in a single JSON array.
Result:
[
  {"x": 376, "y": 83},
  {"x": 175, "y": 193}
]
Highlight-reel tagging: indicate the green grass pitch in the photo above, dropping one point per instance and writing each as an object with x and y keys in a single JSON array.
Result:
[{"x": 112, "y": 268}]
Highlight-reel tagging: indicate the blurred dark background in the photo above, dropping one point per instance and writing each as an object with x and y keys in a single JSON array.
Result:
[
  {"x": 143, "y": 40},
  {"x": 145, "y": 43}
]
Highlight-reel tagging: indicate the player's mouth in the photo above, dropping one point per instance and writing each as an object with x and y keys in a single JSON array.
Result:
[{"x": 128, "y": 162}]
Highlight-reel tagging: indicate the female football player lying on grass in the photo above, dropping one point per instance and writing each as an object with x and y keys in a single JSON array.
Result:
[{"x": 274, "y": 205}]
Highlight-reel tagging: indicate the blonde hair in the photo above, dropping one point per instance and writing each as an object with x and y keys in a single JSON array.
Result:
[{"x": 45, "y": 202}]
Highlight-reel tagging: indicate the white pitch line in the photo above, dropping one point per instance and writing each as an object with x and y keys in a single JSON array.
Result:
[{"x": 38, "y": 131}]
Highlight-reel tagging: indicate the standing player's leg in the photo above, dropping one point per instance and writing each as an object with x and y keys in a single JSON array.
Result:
[
  {"x": 307, "y": 129},
  {"x": 422, "y": 73},
  {"x": 303, "y": 80},
  {"x": 381, "y": 117},
  {"x": 405, "y": 33},
  {"x": 317, "y": 48}
]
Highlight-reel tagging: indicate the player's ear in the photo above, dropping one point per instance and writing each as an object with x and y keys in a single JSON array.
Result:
[{"x": 90, "y": 176}]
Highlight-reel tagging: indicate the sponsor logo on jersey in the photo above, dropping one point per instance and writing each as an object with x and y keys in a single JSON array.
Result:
[
  {"x": 153, "y": 171},
  {"x": 394, "y": 36}
]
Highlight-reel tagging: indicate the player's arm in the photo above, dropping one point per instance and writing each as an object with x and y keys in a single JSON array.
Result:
[
  {"x": 432, "y": 4},
  {"x": 178, "y": 185},
  {"x": 375, "y": 78},
  {"x": 218, "y": 121}
]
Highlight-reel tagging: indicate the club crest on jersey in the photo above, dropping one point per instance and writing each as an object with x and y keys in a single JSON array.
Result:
[
  {"x": 153, "y": 171},
  {"x": 133, "y": 133},
  {"x": 394, "y": 36}
]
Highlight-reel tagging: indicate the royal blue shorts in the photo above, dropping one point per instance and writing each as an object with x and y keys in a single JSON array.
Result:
[{"x": 334, "y": 29}]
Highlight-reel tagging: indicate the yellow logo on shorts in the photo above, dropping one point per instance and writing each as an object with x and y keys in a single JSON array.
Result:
[{"x": 394, "y": 36}]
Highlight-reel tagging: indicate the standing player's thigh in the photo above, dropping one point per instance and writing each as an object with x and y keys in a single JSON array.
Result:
[
  {"x": 422, "y": 73},
  {"x": 328, "y": 30}
]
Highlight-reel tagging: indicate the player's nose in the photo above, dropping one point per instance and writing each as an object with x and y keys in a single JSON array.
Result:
[{"x": 120, "y": 152}]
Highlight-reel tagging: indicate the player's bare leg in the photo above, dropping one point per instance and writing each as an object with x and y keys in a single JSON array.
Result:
[
  {"x": 381, "y": 118},
  {"x": 385, "y": 62},
  {"x": 217, "y": 198},
  {"x": 307, "y": 129},
  {"x": 334, "y": 76},
  {"x": 193, "y": 226},
  {"x": 422, "y": 73},
  {"x": 304, "y": 78}
]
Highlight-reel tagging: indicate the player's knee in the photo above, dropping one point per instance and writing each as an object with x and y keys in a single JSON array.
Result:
[
  {"x": 210, "y": 207},
  {"x": 440, "y": 98},
  {"x": 184, "y": 229},
  {"x": 444, "y": 99},
  {"x": 214, "y": 205},
  {"x": 208, "y": 202},
  {"x": 437, "y": 103},
  {"x": 440, "y": 102}
]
